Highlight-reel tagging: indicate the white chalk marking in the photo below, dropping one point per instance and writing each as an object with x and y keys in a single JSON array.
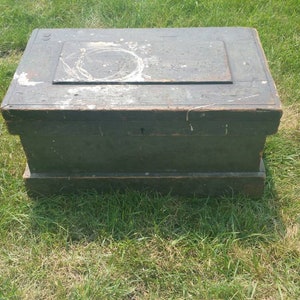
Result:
[{"x": 23, "y": 80}]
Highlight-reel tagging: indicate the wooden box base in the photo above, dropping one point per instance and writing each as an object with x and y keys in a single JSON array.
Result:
[{"x": 187, "y": 184}]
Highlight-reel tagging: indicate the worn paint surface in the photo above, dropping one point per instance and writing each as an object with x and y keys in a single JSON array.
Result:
[
  {"x": 162, "y": 61},
  {"x": 186, "y": 109},
  {"x": 186, "y": 184},
  {"x": 23, "y": 80},
  {"x": 187, "y": 69}
]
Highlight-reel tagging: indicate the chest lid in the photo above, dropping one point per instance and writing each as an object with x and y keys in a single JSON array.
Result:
[{"x": 65, "y": 72}]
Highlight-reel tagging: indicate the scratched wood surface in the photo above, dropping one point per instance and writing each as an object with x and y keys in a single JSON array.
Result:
[
  {"x": 184, "y": 109},
  {"x": 143, "y": 62},
  {"x": 234, "y": 74}
]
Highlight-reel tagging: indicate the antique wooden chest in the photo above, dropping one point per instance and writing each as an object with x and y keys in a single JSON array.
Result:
[{"x": 182, "y": 110}]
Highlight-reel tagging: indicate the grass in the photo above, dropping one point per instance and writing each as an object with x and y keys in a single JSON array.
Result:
[{"x": 144, "y": 246}]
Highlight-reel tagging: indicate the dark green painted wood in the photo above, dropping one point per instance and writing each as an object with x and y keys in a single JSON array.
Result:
[
  {"x": 185, "y": 184},
  {"x": 142, "y": 101},
  {"x": 252, "y": 87},
  {"x": 143, "y": 153},
  {"x": 166, "y": 125}
]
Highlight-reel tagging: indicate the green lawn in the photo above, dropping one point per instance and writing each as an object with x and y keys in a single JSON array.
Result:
[{"x": 143, "y": 246}]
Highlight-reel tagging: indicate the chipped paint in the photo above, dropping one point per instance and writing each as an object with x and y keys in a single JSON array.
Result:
[
  {"x": 133, "y": 46},
  {"x": 243, "y": 98},
  {"x": 226, "y": 129},
  {"x": 197, "y": 108},
  {"x": 63, "y": 104},
  {"x": 108, "y": 90},
  {"x": 152, "y": 60},
  {"x": 23, "y": 80},
  {"x": 106, "y": 95},
  {"x": 102, "y": 45}
]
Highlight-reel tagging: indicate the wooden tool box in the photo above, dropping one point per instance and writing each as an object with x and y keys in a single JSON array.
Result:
[{"x": 181, "y": 110}]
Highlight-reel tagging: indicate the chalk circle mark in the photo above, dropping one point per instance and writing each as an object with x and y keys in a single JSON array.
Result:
[{"x": 98, "y": 65}]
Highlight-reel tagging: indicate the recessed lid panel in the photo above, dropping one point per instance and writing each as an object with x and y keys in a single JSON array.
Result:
[
  {"x": 165, "y": 69},
  {"x": 142, "y": 63}
]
